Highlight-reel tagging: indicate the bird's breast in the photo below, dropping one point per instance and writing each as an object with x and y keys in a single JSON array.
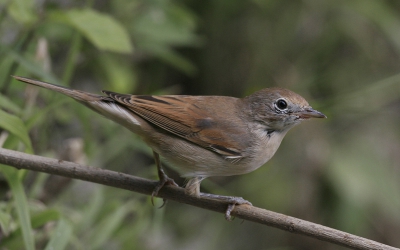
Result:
[{"x": 262, "y": 150}]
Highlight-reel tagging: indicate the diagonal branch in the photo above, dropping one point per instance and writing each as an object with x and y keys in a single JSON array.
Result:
[{"x": 119, "y": 180}]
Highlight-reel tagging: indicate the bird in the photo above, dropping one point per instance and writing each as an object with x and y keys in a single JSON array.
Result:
[{"x": 202, "y": 136}]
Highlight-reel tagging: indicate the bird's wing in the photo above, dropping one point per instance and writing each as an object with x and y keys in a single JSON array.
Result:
[{"x": 184, "y": 118}]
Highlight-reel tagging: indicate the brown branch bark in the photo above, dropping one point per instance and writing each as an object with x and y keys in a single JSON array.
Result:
[{"x": 119, "y": 180}]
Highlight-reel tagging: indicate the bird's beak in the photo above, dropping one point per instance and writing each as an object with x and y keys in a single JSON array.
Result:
[{"x": 310, "y": 113}]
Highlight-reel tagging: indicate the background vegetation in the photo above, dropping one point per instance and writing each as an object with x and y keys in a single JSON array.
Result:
[{"x": 342, "y": 172}]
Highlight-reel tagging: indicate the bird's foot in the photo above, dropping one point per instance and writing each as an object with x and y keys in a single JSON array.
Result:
[
  {"x": 164, "y": 180},
  {"x": 231, "y": 200}
]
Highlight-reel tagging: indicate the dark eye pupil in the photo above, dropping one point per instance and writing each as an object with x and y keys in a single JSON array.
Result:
[{"x": 281, "y": 104}]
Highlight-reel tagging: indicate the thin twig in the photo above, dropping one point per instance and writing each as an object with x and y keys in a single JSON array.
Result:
[{"x": 119, "y": 180}]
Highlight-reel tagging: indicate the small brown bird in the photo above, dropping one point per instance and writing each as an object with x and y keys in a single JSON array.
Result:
[{"x": 202, "y": 136}]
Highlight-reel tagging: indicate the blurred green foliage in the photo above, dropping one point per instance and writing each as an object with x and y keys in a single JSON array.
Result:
[{"x": 344, "y": 172}]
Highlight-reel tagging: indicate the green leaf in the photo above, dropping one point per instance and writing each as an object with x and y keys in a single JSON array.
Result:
[
  {"x": 32, "y": 67},
  {"x": 109, "y": 225},
  {"x": 90, "y": 213},
  {"x": 5, "y": 220},
  {"x": 6, "y": 103},
  {"x": 41, "y": 113},
  {"x": 14, "y": 125},
  {"x": 21, "y": 204},
  {"x": 22, "y": 11},
  {"x": 171, "y": 26},
  {"x": 41, "y": 218},
  {"x": 60, "y": 237},
  {"x": 172, "y": 58},
  {"x": 102, "y": 30},
  {"x": 119, "y": 73},
  {"x": 45, "y": 216}
]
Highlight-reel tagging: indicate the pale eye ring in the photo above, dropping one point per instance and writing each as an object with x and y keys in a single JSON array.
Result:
[{"x": 281, "y": 104}]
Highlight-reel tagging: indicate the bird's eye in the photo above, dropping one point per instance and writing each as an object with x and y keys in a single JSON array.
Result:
[{"x": 281, "y": 104}]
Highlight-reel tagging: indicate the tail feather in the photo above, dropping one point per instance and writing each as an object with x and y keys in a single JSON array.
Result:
[
  {"x": 75, "y": 94},
  {"x": 103, "y": 105}
]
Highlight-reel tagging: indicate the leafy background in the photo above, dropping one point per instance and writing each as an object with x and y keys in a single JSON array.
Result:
[{"x": 342, "y": 172}]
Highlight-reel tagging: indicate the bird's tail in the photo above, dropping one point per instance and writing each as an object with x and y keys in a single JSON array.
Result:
[
  {"x": 78, "y": 95},
  {"x": 103, "y": 105}
]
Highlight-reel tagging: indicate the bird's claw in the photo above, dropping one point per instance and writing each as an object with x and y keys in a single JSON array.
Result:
[
  {"x": 164, "y": 180},
  {"x": 234, "y": 201}
]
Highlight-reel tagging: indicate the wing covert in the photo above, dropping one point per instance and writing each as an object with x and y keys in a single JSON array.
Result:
[{"x": 182, "y": 116}]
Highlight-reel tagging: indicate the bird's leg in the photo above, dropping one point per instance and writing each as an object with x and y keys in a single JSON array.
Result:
[
  {"x": 164, "y": 179},
  {"x": 193, "y": 188}
]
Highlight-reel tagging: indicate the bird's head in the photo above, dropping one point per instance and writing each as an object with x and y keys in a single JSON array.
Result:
[{"x": 279, "y": 109}]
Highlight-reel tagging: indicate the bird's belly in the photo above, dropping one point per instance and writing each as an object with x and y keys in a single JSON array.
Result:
[{"x": 191, "y": 160}]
